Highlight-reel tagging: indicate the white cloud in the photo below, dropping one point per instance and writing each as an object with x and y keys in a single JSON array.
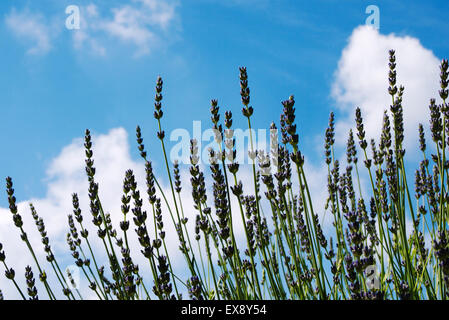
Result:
[
  {"x": 158, "y": 12},
  {"x": 143, "y": 24},
  {"x": 30, "y": 28},
  {"x": 92, "y": 10},
  {"x": 128, "y": 26},
  {"x": 361, "y": 80},
  {"x": 81, "y": 37}
]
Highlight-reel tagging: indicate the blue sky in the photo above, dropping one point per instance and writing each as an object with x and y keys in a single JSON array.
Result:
[
  {"x": 289, "y": 47},
  {"x": 56, "y": 82}
]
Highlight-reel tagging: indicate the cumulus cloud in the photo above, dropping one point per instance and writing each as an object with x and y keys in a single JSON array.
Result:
[
  {"x": 361, "y": 81},
  {"x": 30, "y": 28}
]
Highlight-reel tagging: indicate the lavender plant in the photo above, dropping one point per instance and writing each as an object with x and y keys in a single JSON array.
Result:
[{"x": 389, "y": 242}]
